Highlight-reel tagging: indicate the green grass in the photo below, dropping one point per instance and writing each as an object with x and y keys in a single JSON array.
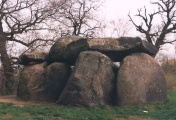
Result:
[{"x": 157, "y": 111}]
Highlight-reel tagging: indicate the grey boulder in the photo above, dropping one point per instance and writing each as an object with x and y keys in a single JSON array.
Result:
[
  {"x": 140, "y": 80},
  {"x": 67, "y": 49},
  {"x": 92, "y": 81},
  {"x": 32, "y": 58}
]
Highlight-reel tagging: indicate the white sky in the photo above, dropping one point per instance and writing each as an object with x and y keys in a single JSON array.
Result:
[
  {"x": 120, "y": 9},
  {"x": 116, "y": 8}
]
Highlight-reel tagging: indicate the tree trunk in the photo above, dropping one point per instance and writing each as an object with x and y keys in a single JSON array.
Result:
[{"x": 7, "y": 68}]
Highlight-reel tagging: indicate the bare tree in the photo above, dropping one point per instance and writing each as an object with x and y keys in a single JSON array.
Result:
[
  {"x": 120, "y": 27},
  {"x": 77, "y": 17},
  {"x": 156, "y": 34},
  {"x": 19, "y": 17}
]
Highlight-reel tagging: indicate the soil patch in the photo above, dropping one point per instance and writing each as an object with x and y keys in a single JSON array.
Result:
[{"x": 13, "y": 99}]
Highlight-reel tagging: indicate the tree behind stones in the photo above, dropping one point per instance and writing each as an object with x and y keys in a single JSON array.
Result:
[
  {"x": 18, "y": 17},
  {"x": 156, "y": 34},
  {"x": 21, "y": 17},
  {"x": 77, "y": 17}
]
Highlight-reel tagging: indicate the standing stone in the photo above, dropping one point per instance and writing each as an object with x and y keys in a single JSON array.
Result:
[
  {"x": 29, "y": 79},
  {"x": 55, "y": 78},
  {"x": 140, "y": 80},
  {"x": 41, "y": 83},
  {"x": 92, "y": 81}
]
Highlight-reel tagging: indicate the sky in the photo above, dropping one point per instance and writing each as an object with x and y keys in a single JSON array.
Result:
[
  {"x": 116, "y": 8},
  {"x": 120, "y": 9}
]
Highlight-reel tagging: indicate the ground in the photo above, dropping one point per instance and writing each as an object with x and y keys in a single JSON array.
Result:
[{"x": 14, "y": 100}]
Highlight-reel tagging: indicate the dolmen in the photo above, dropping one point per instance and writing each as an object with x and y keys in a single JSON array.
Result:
[{"x": 81, "y": 71}]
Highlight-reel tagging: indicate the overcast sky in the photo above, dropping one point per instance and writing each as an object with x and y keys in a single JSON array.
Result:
[{"x": 116, "y": 8}]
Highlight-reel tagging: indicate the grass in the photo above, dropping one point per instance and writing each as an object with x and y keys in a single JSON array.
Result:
[{"x": 157, "y": 111}]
